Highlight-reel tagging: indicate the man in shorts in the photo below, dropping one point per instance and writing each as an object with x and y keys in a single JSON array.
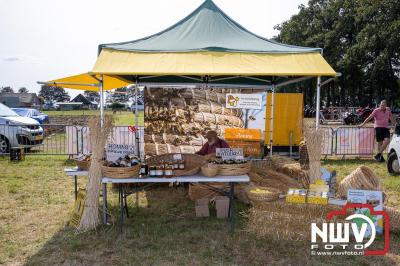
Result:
[{"x": 382, "y": 115}]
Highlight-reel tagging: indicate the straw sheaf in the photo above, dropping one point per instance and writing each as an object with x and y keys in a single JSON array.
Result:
[
  {"x": 98, "y": 138},
  {"x": 313, "y": 138}
]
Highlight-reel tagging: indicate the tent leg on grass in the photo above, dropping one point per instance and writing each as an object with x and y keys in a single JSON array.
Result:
[
  {"x": 271, "y": 120},
  {"x": 318, "y": 107}
]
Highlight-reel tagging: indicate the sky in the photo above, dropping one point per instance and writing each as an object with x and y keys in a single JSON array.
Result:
[{"x": 42, "y": 40}]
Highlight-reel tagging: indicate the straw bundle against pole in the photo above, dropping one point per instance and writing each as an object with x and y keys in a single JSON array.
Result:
[
  {"x": 314, "y": 143},
  {"x": 98, "y": 138}
]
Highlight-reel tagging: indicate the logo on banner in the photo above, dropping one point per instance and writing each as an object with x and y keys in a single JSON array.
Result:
[
  {"x": 244, "y": 101},
  {"x": 333, "y": 238}
]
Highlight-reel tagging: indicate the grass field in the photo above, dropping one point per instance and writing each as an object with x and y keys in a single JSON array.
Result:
[
  {"x": 121, "y": 117},
  {"x": 36, "y": 200}
]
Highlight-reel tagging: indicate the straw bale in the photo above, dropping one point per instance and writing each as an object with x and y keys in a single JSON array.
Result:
[
  {"x": 194, "y": 129},
  {"x": 152, "y": 149},
  {"x": 215, "y": 108},
  {"x": 210, "y": 118},
  {"x": 210, "y": 190},
  {"x": 285, "y": 221},
  {"x": 394, "y": 216},
  {"x": 271, "y": 178},
  {"x": 291, "y": 168}
]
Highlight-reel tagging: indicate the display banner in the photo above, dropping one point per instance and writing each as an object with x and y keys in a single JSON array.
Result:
[
  {"x": 77, "y": 138},
  {"x": 243, "y": 101},
  {"x": 355, "y": 141}
]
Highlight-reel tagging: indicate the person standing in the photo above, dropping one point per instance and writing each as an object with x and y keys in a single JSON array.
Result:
[{"x": 382, "y": 115}]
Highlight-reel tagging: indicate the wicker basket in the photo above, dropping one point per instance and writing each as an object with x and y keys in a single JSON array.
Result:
[
  {"x": 193, "y": 162},
  {"x": 234, "y": 169},
  {"x": 271, "y": 194},
  {"x": 121, "y": 172},
  {"x": 209, "y": 171},
  {"x": 82, "y": 165}
]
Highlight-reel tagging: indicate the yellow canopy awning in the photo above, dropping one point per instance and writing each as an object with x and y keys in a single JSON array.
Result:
[
  {"x": 90, "y": 82},
  {"x": 115, "y": 62}
]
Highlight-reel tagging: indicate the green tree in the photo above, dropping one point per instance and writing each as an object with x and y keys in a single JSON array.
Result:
[
  {"x": 360, "y": 39},
  {"x": 23, "y": 90},
  {"x": 53, "y": 94},
  {"x": 92, "y": 96},
  {"x": 7, "y": 89}
]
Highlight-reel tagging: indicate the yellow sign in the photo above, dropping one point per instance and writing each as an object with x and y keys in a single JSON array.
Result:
[
  {"x": 249, "y": 134},
  {"x": 78, "y": 207}
]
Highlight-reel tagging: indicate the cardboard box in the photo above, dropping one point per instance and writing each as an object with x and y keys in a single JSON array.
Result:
[
  {"x": 296, "y": 195},
  {"x": 315, "y": 197},
  {"x": 202, "y": 209},
  {"x": 222, "y": 206}
]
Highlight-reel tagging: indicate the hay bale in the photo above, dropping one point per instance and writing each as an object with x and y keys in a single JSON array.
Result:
[
  {"x": 270, "y": 178},
  {"x": 361, "y": 178},
  {"x": 291, "y": 168},
  {"x": 285, "y": 221},
  {"x": 215, "y": 108},
  {"x": 394, "y": 216},
  {"x": 217, "y": 119},
  {"x": 152, "y": 149},
  {"x": 207, "y": 191},
  {"x": 211, "y": 190}
]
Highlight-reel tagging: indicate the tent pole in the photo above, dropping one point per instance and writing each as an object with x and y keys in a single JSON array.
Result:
[
  {"x": 271, "y": 125},
  {"x": 137, "y": 135},
  {"x": 136, "y": 106},
  {"x": 101, "y": 101},
  {"x": 317, "y": 116}
]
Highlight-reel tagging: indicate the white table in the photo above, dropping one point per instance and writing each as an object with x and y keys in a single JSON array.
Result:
[
  {"x": 232, "y": 180},
  {"x": 75, "y": 172}
]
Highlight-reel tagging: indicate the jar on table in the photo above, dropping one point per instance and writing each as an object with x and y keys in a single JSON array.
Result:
[
  {"x": 169, "y": 171},
  {"x": 181, "y": 165},
  {"x": 144, "y": 169},
  {"x": 159, "y": 171},
  {"x": 176, "y": 165},
  {"x": 152, "y": 171}
]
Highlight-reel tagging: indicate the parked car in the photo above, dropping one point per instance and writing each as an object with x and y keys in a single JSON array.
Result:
[
  {"x": 18, "y": 131},
  {"x": 394, "y": 152},
  {"x": 32, "y": 113}
]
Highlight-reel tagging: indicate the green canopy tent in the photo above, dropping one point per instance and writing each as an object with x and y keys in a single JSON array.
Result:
[{"x": 208, "y": 48}]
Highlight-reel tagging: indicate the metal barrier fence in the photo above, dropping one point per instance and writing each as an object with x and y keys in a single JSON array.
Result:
[
  {"x": 60, "y": 139},
  {"x": 72, "y": 140},
  {"x": 351, "y": 141}
]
